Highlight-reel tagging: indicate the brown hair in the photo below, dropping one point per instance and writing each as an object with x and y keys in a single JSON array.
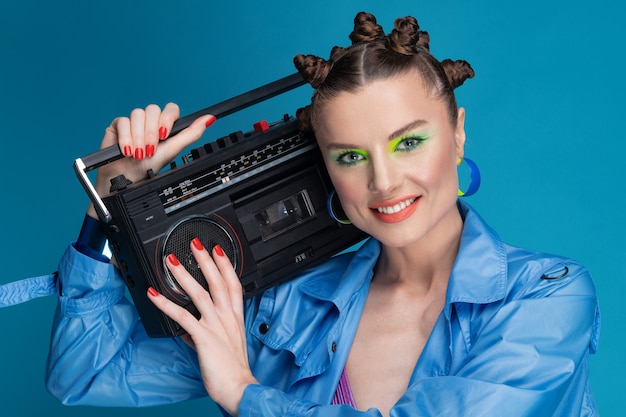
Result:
[{"x": 375, "y": 56}]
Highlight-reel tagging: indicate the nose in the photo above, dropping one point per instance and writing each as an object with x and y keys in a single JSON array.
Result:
[{"x": 384, "y": 175}]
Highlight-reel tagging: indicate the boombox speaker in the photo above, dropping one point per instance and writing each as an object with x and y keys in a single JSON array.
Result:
[{"x": 261, "y": 195}]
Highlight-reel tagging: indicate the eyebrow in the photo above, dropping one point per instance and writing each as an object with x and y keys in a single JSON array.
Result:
[
  {"x": 407, "y": 128},
  {"x": 400, "y": 132}
]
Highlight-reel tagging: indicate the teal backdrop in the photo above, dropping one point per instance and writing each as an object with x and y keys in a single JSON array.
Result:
[{"x": 544, "y": 123}]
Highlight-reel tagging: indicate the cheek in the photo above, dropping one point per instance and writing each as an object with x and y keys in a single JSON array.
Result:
[
  {"x": 348, "y": 195},
  {"x": 349, "y": 187},
  {"x": 446, "y": 178},
  {"x": 438, "y": 173}
]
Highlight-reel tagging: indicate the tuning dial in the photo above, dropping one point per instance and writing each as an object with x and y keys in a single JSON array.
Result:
[{"x": 119, "y": 183}]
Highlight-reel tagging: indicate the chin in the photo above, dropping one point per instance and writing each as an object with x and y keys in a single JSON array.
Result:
[{"x": 397, "y": 235}]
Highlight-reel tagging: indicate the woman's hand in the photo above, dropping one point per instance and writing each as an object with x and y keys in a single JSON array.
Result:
[
  {"x": 219, "y": 335},
  {"x": 140, "y": 138}
]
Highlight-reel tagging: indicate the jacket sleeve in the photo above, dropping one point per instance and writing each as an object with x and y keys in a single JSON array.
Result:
[
  {"x": 529, "y": 357},
  {"x": 99, "y": 352}
]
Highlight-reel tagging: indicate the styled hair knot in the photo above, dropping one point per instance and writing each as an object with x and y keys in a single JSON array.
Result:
[
  {"x": 312, "y": 68},
  {"x": 366, "y": 29},
  {"x": 405, "y": 35},
  {"x": 457, "y": 71}
]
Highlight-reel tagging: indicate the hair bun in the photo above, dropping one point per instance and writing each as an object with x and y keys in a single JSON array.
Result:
[
  {"x": 312, "y": 68},
  {"x": 366, "y": 29},
  {"x": 404, "y": 36},
  {"x": 457, "y": 71}
]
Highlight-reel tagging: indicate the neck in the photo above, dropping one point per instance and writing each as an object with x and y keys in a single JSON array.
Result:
[{"x": 425, "y": 264}]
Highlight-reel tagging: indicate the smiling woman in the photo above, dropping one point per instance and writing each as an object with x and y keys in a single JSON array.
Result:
[
  {"x": 540, "y": 121},
  {"x": 429, "y": 317}
]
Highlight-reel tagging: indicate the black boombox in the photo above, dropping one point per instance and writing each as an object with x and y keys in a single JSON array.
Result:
[{"x": 263, "y": 196}]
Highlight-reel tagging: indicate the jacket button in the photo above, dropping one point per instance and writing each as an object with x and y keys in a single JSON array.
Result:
[
  {"x": 334, "y": 347},
  {"x": 263, "y": 328}
]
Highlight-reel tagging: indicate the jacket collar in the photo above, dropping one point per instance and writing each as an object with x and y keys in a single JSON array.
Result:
[
  {"x": 478, "y": 275},
  {"x": 355, "y": 276}
]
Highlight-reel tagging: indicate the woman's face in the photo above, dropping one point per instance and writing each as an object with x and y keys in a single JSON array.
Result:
[{"x": 391, "y": 152}]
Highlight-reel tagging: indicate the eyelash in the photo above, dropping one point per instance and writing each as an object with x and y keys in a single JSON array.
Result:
[
  {"x": 349, "y": 158},
  {"x": 408, "y": 146}
]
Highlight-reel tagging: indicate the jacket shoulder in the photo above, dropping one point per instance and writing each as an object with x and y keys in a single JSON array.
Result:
[{"x": 536, "y": 274}]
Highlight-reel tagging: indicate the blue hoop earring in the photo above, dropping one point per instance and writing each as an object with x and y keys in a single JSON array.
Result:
[
  {"x": 331, "y": 212},
  {"x": 474, "y": 178}
]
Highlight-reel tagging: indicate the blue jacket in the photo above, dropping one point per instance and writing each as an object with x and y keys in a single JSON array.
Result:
[{"x": 513, "y": 339}]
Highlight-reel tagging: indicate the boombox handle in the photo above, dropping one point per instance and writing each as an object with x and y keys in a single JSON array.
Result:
[{"x": 112, "y": 153}]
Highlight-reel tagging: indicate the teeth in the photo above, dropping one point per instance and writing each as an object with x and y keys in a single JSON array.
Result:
[{"x": 397, "y": 207}]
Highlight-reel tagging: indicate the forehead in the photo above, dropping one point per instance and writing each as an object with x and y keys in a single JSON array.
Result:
[{"x": 379, "y": 109}]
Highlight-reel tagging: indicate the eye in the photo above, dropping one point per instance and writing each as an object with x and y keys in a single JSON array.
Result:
[
  {"x": 350, "y": 157},
  {"x": 408, "y": 144}
]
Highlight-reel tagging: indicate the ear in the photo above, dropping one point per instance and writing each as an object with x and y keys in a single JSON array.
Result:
[{"x": 459, "y": 133}]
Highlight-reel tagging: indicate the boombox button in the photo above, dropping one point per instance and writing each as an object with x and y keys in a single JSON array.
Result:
[{"x": 261, "y": 126}]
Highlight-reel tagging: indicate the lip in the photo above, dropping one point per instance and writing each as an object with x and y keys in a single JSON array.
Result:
[{"x": 394, "y": 210}]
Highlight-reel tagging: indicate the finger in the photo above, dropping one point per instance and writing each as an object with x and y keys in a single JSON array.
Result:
[
  {"x": 171, "y": 113},
  {"x": 225, "y": 287},
  {"x": 151, "y": 128},
  {"x": 119, "y": 132},
  {"x": 177, "y": 313},
  {"x": 235, "y": 290},
  {"x": 230, "y": 278},
  {"x": 137, "y": 130},
  {"x": 223, "y": 282},
  {"x": 196, "y": 292},
  {"x": 217, "y": 285},
  {"x": 186, "y": 137}
]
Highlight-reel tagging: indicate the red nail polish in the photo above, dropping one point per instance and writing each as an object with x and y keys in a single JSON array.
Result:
[
  {"x": 197, "y": 244},
  {"x": 162, "y": 133},
  {"x": 139, "y": 153},
  {"x": 128, "y": 151},
  {"x": 173, "y": 259},
  {"x": 153, "y": 292},
  {"x": 211, "y": 121},
  {"x": 219, "y": 251},
  {"x": 149, "y": 151}
]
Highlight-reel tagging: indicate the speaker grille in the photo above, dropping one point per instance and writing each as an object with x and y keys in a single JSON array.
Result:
[{"x": 178, "y": 240}]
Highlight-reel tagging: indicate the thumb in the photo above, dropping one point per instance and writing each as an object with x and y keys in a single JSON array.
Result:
[{"x": 171, "y": 147}]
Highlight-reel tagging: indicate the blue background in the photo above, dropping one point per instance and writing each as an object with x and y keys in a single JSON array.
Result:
[{"x": 544, "y": 123}]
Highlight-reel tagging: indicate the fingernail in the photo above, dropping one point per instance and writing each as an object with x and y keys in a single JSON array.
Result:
[
  {"x": 153, "y": 292},
  {"x": 139, "y": 153},
  {"x": 196, "y": 242},
  {"x": 162, "y": 133},
  {"x": 211, "y": 121},
  {"x": 173, "y": 259},
  {"x": 128, "y": 151},
  {"x": 219, "y": 251},
  {"x": 149, "y": 151}
]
